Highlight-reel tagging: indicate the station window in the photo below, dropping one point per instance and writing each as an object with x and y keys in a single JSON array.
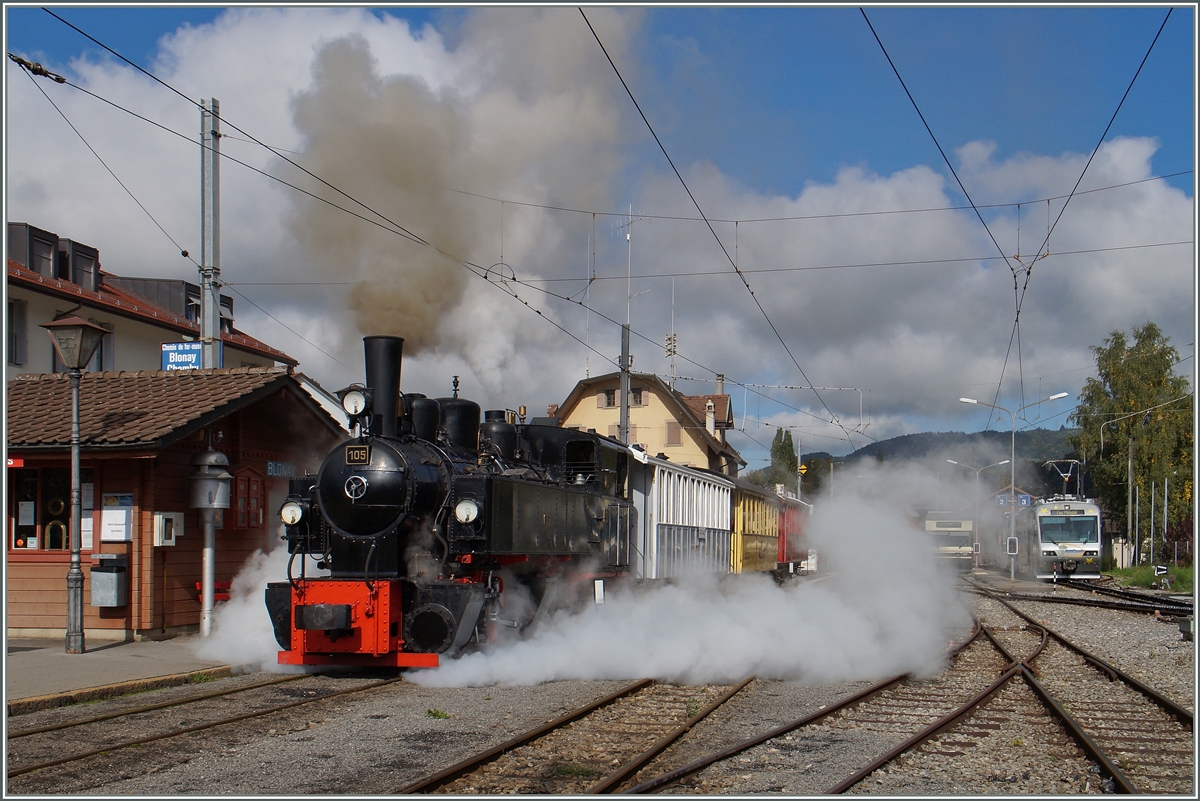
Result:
[
  {"x": 40, "y": 507},
  {"x": 249, "y": 498}
]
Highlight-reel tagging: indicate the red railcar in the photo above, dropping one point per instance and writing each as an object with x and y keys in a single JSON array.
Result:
[{"x": 793, "y": 556}]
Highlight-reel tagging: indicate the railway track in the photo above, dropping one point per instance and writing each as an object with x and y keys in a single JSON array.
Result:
[
  {"x": 1146, "y": 734},
  {"x": 591, "y": 750},
  {"x": 79, "y": 740},
  {"x": 1053, "y": 711},
  {"x": 1127, "y": 594}
]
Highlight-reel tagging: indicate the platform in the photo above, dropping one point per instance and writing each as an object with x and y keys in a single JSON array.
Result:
[{"x": 40, "y": 673}]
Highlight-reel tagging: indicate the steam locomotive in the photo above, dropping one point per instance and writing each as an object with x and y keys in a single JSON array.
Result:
[
  {"x": 420, "y": 519},
  {"x": 415, "y": 517}
]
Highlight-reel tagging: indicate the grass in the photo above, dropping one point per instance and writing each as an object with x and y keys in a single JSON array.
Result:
[
  {"x": 574, "y": 770},
  {"x": 693, "y": 707},
  {"x": 1143, "y": 576},
  {"x": 437, "y": 713},
  {"x": 201, "y": 678}
]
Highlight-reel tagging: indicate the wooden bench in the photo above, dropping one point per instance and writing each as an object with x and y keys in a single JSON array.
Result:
[{"x": 220, "y": 590}]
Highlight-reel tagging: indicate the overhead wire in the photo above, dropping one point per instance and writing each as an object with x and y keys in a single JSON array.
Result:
[
  {"x": 253, "y": 138},
  {"x": 795, "y": 217},
  {"x": 183, "y": 251},
  {"x": 400, "y": 230},
  {"x": 721, "y": 244},
  {"x": 88, "y": 145},
  {"x": 1018, "y": 298}
]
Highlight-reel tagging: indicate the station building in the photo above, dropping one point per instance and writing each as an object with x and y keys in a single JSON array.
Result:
[
  {"x": 687, "y": 429},
  {"x": 140, "y": 425}
]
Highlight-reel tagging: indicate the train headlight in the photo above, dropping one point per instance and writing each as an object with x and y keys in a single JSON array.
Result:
[
  {"x": 354, "y": 402},
  {"x": 290, "y": 513},
  {"x": 1049, "y": 553},
  {"x": 466, "y": 511}
]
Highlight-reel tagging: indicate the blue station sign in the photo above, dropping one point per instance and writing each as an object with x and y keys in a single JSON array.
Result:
[{"x": 182, "y": 355}]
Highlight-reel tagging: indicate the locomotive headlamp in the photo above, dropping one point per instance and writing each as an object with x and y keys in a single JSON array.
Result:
[
  {"x": 354, "y": 402},
  {"x": 290, "y": 513},
  {"x": 466, "y": 511}
]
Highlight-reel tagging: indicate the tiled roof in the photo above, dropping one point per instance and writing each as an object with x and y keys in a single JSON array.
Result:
[
  {"x": 123, "y": 302},
  {"x": 698, "y": 404},
  {"x": 130, "y": 410}
]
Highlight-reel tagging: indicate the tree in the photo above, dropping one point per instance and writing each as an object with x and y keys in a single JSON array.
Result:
[
  {"x": 783, "y": 460},
  {"x": 1136, "y": 397}
]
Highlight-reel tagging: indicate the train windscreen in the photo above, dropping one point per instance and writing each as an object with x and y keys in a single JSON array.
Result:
[{"x": 1069, "y": 529}]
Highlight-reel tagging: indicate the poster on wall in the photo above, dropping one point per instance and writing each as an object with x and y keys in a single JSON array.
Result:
[
  {"x": 87, "y": 497},
  {"x": 116, "y": 517}
]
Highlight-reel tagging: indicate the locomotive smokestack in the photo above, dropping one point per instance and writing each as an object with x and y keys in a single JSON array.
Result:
[{"x": 384, "y": 355}]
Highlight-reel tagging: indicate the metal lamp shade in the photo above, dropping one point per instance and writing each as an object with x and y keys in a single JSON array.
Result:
[
  {"x": 210, "y": 481},
  {"x": 75, "y": 339}
]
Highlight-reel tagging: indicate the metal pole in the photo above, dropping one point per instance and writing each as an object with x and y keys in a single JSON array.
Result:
[
  {"x": 209, "y": 519},
  {"x": 1165, "y": 498},
  {"x": 1012, "y": 492},
  {"x": 210, "y": 235},
  {"x": 623, "y": 429},
  {"x": 975, "y": 525},
  {"x": 74, "y": 642},
  {"x": 1137, "y": 524},
  {"x": 1152, "y": 502},
  {"x": 1129, "y": 503}
]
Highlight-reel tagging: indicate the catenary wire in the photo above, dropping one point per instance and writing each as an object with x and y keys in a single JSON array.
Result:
[
  {"x": 88, "y": 145},
  {"x": 1029, "y": 271},
  {"x": 380, "y": 215},
  {"x": 179, "y": 247},
  {"x": 704, "y": 273},
  {"x": 721, "y": 244},
  {"x": 795, "y": 217},
  {"x": 1050, "y": 230},
  {"x": 476, "y": 269},
  {"x": 400, "y": 230}
]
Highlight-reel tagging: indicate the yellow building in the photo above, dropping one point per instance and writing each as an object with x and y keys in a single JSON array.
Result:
[{"x": 687, "y": 429}]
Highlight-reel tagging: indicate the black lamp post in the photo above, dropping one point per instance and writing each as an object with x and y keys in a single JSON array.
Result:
[{"x": 75, "y": 340}]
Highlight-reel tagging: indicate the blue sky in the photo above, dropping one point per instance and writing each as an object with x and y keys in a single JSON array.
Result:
[
  {"x": 768, "y": 112},
  {"x": 776, "y": 82}
]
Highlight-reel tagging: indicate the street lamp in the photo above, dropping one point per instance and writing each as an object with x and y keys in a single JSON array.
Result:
[
  {"x": 75, "y": 340},
  {"x": 977, "y": 470},
  {"x": 1012, "y": 469}
]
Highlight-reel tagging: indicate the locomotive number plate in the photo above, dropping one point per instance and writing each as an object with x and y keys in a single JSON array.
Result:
[{"x": 358, "y": 454}]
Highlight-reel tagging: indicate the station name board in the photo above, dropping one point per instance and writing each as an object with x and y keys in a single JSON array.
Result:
[{"x": 186, "y": 355}]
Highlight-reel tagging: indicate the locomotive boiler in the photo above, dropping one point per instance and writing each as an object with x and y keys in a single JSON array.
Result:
[{"x": 418, "y": 521}]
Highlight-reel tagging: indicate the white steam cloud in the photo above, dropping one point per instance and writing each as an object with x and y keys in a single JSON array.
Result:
[
  {"x": 242, "y": 633},
  {"x": 884, "y": 608}
]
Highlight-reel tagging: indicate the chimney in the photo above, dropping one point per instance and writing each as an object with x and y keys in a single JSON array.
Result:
[
  {"x": 710, "y": 417},
  {"x": 383, "y": 358}
]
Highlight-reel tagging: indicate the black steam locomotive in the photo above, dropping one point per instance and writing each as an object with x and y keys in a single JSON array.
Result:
[{"x": 416, "y": 517}]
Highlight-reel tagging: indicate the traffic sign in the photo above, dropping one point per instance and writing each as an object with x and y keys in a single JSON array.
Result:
[
  {"x": 803, "y": 469},
  {"x": 1160, "y": 570}
]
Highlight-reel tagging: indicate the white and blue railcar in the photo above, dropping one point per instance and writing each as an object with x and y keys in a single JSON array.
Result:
[{"x": 683, "y": 519}]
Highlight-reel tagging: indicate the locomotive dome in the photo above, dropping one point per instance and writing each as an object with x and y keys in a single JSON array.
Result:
[{"x": 363, "y": 488}]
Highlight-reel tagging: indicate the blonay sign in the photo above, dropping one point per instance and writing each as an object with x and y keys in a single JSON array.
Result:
[{"x": 181, "y": 355}]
